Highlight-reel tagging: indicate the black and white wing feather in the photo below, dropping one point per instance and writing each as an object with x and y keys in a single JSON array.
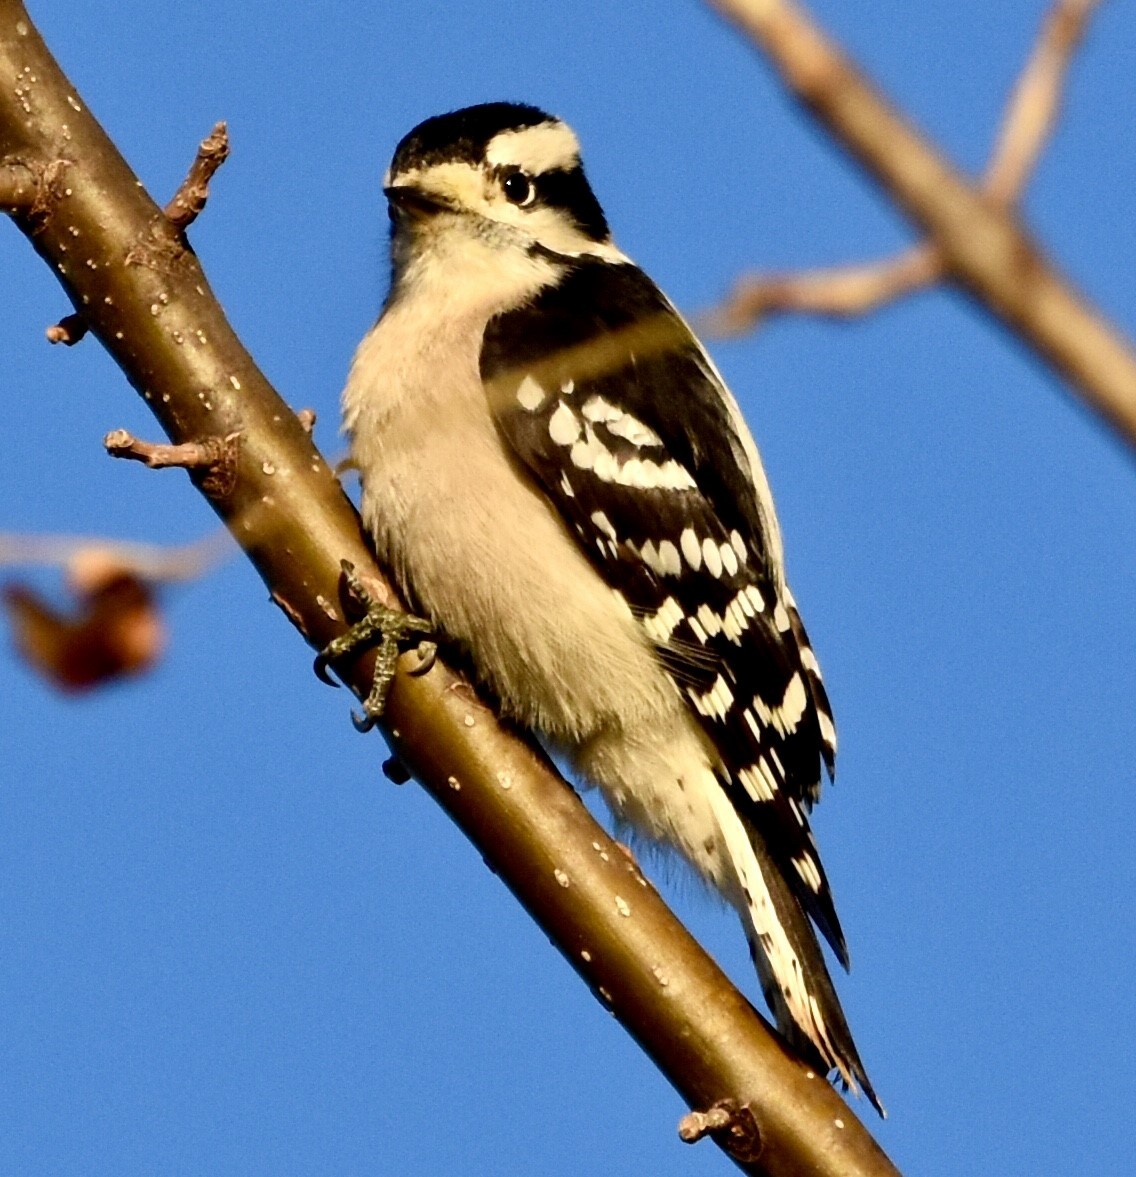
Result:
[{"x": 609, "y": 402}]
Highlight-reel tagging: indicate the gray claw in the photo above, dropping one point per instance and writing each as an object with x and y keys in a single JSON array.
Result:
[
  {"x": 320, "y": 665},
  {"x": 363, "y": 723}
]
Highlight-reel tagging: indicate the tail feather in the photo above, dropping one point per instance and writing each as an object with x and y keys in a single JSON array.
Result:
[{"x": 790, "y": 965}]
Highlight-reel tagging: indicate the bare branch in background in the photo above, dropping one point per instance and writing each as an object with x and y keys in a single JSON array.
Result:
[
  {"x": 79, "y": 556},
  {"x": 973, "y": 232},
  {"x": 842, "y": 292},
  {"x": 1032, "y": 111},
  {"x": 847, "y": 291}
]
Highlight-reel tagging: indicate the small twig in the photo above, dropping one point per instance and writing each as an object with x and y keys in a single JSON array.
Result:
[
  {"x": 1031, "y": 113},
  {"x": 733, "y": 1125},
  {"x": 841, "y": 292},
  {"x": 216, "y": 456},
  {"x": 695, "y": 1125},
  {"x": 848, "y": 291},
  {"x": 69, "y": 330},
  {"x": 190, "y": 455},
  {"x": 190, "y": 198}
]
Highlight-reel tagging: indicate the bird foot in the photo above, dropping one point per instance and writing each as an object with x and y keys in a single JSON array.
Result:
[{"x": 390, "y": 631}]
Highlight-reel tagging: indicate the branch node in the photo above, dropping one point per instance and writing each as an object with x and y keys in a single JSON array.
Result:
[
  {"x": 29, "y": 189},
  {"x": 190, "y": 198},
  {"x": 395, "y": 771},
  {"x": 69, "y": 330},
  {"x": 17, "y": 188},
  {"x": 214, "y": 457},
  {"x": 731, "y": 1124},
  {"x": 307, "y": 419}
]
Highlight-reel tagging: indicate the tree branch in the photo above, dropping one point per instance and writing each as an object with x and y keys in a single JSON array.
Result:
[
  {"x": 1031, "y": 113},
  {"x": 145, "y": 297},
  {"x": 983, "y": 247}
]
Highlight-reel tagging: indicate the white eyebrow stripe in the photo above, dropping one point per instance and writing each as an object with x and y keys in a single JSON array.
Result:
[{"x": 543, "y": 148}]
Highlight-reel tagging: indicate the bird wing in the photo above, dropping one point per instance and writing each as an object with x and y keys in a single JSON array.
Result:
[{"x": 611, "y": 406}]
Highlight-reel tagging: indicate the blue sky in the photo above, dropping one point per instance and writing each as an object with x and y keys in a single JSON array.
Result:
[{"x": 229, "y": 945}]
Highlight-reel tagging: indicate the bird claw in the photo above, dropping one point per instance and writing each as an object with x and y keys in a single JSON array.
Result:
[
  {"x": 388, "y": 630},
  {"x": 320, "y": 665},
  {"x": 427, "y": 652}
]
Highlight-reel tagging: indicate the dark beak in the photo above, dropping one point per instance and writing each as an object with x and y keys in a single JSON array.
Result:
[{"x": 407, "y": 200}]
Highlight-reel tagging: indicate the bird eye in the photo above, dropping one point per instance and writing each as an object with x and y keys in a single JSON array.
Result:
[{"x": 518, "y": 189}]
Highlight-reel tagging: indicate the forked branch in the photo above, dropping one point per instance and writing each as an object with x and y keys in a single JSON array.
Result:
[{"x": 973, "y": 233}]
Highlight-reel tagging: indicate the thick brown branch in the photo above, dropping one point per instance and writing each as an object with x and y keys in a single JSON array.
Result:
[
  {"x": 984, "y": 248},
  {"x": 145, "y": 296},
  {"x": 190, "y": 198}
]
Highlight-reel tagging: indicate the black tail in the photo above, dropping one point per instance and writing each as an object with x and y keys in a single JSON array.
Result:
[{"x": 796, "y": 981}]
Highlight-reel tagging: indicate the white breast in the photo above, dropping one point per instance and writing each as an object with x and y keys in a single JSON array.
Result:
[{"x": 470, "y": 540}]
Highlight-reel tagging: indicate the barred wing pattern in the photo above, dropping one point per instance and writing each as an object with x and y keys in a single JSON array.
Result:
[{"x": 620, "y": 418}]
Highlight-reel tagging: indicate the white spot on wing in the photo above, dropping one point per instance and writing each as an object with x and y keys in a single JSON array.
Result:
[
  {"x": 827, "y": 730},
  {"x": 793, "y": 704},
  {"x": 603, "y": 523},
  {"x": 589, "y": 453},
  {"x": 530, "y": 395},
  {"x": 729, "y": 560},
  {"x": 650, "y": 557},
  {"x": 716, "y": 702},
  {"x": 756, "y": 785},
  {"x": 767, "y": 776},
  {"x": 633, "y": 430},
  {"x": 691, "y": 548},
  {"x": 563, "y": 427},
  {"x": 661, "y": 624},
  {"x": 668, "y": 555},
  {"x": 807, "y": 869},
  {"x": 675, "y": 476},
  {"x": 711, "y": 622},
  {"x": 596, "y": 409},
  {"x": 781, "y": 618}
]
